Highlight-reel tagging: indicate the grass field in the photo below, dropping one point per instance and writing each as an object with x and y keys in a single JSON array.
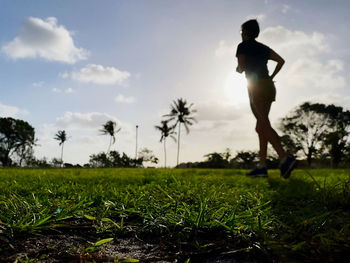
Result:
[{"x": 161, "y": 215}]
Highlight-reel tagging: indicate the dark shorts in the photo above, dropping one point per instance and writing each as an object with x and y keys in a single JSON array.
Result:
[{"x": 262, "y": 90}]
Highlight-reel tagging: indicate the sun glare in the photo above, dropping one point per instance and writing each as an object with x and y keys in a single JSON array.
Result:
[{"x": 236, "y": 88}]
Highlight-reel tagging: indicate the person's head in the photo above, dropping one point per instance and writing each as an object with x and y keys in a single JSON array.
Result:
[{"x": 250, "y": 29}]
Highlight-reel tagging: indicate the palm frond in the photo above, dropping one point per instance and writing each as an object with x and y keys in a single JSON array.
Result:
[
  {"x": 188, "y": 122},
  {"x": 159, "y": 128},
  {"x": 61, "y": 136},
  {"x": 187, "y": 129},
  {"x": 162, "y": 138},
  {"x": 192, "y": 118}
]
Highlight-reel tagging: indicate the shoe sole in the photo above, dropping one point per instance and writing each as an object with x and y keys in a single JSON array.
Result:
[{"x": 286, "y": 175}]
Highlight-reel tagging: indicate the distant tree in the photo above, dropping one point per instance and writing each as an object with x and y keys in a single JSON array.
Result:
[
  {"x": 215, "y": 160},
  {"x": 115, "y": 159},
  {"x": 337, "y": 134},
  {"x": 245, "y": 159},
  {"x": 68, "y": 165},
  {"x": 147, "y": 155},
  {"x": 181, "y": 113},
  {"x": 347, "y": 155},
  {"x": 24, "y": 155},
  {"x": 118, "y": 160},
  {"x": 87, "y": 165},
  {"x": 15, "y": 135},
  {"x": 127, "y": 161},
  {"x": 100, "y": 160},
  {"x": 227, "y": 154},
  {"x": 112, "y": 159},
  {"x": 56, "y": 162},
  {"x": 307, "y": 126},
  {"x": 61, "y": 137},
  {"x": 110, "y": 128},
  {"x": 166, "y": 131},
  {"x": 289, "y": 144},
  {"x": 40, "y": 163}
]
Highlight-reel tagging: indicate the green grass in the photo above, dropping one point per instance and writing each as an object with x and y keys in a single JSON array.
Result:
[{"x": 304, "y": 218}]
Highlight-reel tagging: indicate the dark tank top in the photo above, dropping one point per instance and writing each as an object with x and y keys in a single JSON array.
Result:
[{"x": 256, "y": 56}]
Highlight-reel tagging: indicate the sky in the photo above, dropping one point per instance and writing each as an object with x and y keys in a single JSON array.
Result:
[{"x": 73, "y": 65}]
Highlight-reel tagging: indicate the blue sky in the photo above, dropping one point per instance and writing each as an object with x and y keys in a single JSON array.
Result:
[{"x": 73, "y": 65}]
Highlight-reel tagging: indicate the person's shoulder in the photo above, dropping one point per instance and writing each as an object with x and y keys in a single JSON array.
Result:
[
  {"x": 261, "y": 44},
  {"x": 241, "y": 48},
  {"x": 242, "y": 44}
]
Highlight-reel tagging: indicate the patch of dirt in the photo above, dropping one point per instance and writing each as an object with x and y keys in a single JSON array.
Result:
[
  {"x": 78, "y": 246},
  {"x": 74, "y": 248}
]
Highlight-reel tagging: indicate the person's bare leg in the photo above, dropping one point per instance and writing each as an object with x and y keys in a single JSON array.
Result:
[
  {"x": 265, "y": 130},
  {"x": 262, "y": 141},
  {"x": 263, "y": 150}
]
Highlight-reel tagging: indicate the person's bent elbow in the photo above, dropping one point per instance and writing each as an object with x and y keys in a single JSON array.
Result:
[
  {"x": 280, "y": 63},
  {"x": 239, "y": 69}
]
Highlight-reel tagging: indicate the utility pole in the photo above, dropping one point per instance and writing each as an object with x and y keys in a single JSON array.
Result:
[{"x": 136, "y": 142}]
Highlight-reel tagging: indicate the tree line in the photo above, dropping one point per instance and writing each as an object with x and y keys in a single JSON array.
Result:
[
  {"x": 311, "y": 131},
  {"x": 17, "y": 139}
]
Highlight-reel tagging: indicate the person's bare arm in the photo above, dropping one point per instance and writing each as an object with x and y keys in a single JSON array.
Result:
[
  {"x": 280, "y": 61},
  {"x": 241, "y": 63}
]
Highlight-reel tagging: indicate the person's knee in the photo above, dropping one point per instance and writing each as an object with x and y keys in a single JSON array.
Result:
[
  {"x": 258, "y": 128},
  {"x": 262, "y": 126},
  {"x": 264, "y": 123}
]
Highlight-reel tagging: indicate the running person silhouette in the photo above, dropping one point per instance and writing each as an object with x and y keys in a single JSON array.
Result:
[{"x": 252, "y": 59}]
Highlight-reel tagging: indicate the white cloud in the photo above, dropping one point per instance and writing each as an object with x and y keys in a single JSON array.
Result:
[
  {"x": 77, "y": 120},
  {"x": 98, "y": 74},
  {"x": 44, "y": 39},
  {"x": 285, "y": 9},
  {"x": 56, "y": 90},
  {"x": 123, "y": 99},
  {"x": 38, "y": 84},
  {"x": 64, "y": 75},
  {"x": 224, "y": 50},
  {"x": 321, "y": 76},
  {"x": 69, "y": 90},
  {"x": 294, "y": 44},
  {"x": 327, "y": 98},
  {"x": 11, "y": 111}
]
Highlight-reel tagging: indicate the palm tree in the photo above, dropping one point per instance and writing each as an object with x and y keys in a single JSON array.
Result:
[
  {"x": 165, "y": 131},
  {"x": 181, "y": 112},
  {"x": 109, "y": 128},
  {"x": 61, "y": 136},
  {"x": 137, "y": 127}
]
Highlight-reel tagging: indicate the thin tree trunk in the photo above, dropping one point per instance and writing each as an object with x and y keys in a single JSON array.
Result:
[
  {"x": 164, "y": 153},
  {"x": 110, "y": 143},
  {"x": 6, "y": 161},
  {"x": 136, "y": 142},
  {"x": 309, "y": 156},
  {"x": 62, "y": 155},
  {"x": 178, "y": 144},
  {"x": 20, "y": 161}
]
